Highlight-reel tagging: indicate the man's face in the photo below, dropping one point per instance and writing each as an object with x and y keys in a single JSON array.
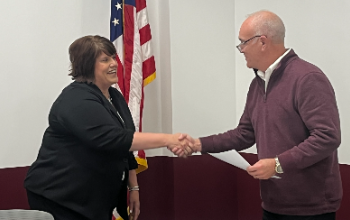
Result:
[{"x": 250, "y": 46}]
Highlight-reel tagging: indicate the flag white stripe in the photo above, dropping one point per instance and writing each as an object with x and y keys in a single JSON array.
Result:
[
  {"x": 136, "y": 80},
  {"x": 146, "y": 51},
  {"x": 119, "y": 46},
  {"x": 142, "y": 18}
]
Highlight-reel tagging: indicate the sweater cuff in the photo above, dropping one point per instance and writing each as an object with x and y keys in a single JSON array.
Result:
[
  {"x": 286, "y": 160},
  {"x": 207, "y": 143}
]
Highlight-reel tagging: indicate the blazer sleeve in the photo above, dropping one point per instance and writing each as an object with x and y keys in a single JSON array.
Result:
[{"x": 132, "y": 162}]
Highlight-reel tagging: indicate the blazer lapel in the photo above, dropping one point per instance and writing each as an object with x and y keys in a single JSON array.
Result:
[{"x": 115, "y": 112}]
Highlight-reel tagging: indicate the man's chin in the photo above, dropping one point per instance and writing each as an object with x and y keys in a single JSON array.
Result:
[{"x": 250, "y": 66}]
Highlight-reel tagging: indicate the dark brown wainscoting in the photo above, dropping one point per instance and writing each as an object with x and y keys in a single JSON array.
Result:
[{"x": 196, "y": 188}]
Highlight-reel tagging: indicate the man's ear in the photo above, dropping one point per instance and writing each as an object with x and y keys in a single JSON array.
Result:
[{"x": 263, "y": 40}]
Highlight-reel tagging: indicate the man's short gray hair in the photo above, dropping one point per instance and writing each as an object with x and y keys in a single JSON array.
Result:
[{"x": 269, "y": 24}]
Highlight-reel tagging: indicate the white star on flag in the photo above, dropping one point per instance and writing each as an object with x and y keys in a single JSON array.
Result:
[
  {"x": 115, "y": 21},
  {"x": 118, "y": 5}
]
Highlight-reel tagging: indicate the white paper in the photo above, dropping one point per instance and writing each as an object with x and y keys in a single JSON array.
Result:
[{"x": 234, "y": 158}]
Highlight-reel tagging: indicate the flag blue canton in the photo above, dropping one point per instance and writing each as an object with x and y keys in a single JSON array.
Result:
[{"x": 116, "y": 15}]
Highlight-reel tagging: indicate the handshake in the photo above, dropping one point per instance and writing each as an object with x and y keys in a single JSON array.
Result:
[{"x": 184, "y": 145}]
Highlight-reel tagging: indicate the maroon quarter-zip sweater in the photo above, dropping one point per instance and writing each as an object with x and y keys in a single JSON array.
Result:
[{"x": 297, "y": 120}]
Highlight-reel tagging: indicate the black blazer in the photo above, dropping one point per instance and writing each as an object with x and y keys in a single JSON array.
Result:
[{"x": 85, "y": 152}]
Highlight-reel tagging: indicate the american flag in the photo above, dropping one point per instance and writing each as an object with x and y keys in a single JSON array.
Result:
[{"x": 131, "y": 34}]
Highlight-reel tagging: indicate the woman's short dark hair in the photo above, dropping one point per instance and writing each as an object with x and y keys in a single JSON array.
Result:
[{"x": 83, "y": 53}]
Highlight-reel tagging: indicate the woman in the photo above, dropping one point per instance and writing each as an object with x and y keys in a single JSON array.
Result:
[{"x": 85, "y": 163}]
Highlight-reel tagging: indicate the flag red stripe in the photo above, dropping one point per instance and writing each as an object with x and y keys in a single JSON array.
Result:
[
  {"x": 145, "y": 34},
  {"x": 129, "y": 47},
  {"x": 140, "y": 4},
  {"x": 148, "y": 67},
  {"x": 120, "y": 75}
]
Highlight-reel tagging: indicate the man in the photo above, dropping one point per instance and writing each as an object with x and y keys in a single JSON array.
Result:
[{"x": 292, "y": 116}]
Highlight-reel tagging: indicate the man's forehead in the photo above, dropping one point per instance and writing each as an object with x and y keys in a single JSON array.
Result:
[{"x": 245, "y": 32}]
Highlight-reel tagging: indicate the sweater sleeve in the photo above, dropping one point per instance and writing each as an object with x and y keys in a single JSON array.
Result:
[
  {"x": 316, "y": 104},
  {"x": 239, "y": 138}
]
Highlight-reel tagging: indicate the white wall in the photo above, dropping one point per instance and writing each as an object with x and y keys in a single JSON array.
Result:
[
  {"x": 192, "y": 77},
  {"x": 35, "y": 36},
  {"x": 202, "y": 66},
  {"x": 158, "y": 101},
  {"x": 34, "y": 55},
  {"x": 201, "y": 79}
]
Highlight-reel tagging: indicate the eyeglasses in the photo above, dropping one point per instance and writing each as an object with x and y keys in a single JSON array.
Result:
[{"x": 239, "y": 46}]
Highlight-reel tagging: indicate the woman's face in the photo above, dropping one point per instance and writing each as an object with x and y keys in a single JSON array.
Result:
[{"x": 105, "y": 71}]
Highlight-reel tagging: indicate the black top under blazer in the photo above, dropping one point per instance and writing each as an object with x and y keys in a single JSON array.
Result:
[{"x": 85, "y": 151}]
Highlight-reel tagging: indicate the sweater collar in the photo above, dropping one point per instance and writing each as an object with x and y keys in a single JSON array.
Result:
[
  {"x": 267, "y": 74},
  {"x": 284, "y": 61}
]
